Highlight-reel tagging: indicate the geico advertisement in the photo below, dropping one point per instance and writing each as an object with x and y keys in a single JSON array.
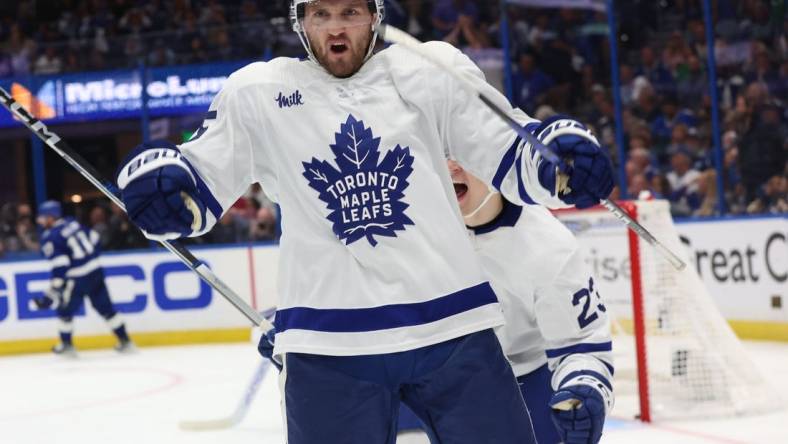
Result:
[
  {"x": 743, "y": 263},
  {"x": 153, "y": 290}
]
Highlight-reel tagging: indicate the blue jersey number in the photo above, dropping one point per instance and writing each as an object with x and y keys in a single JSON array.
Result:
[
  {"x": 210, "y": 115},
  {"x": 589, "y": 314}
]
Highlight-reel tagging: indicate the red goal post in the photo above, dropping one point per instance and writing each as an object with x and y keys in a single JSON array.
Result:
[{"x": 676, "y": 356}]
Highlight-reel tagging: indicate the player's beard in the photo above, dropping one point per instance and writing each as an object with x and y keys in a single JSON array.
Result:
[{"x": 343, "y": 67}]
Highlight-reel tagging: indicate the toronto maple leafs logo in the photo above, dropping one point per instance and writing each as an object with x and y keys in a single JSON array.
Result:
[{"x": 364, "y": 195}]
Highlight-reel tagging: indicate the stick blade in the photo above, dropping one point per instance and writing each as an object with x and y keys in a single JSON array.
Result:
[{"x": 208, "y": 424}]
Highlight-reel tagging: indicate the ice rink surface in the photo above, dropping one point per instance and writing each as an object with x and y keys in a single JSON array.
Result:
[{"x": 103, "y": 397}]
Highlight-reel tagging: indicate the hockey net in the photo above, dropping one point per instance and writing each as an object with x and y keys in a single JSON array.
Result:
[{"x": 676, "y": 356}]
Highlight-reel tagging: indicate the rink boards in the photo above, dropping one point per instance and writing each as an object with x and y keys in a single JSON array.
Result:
[
  {"x": 160, "y": 299},
  {"x": 743, "y": 263}
]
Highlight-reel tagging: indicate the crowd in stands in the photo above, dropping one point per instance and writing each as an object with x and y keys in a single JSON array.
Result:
[
  {"x": 561, "y": 65},
  {"x": 253, "y": 218}
]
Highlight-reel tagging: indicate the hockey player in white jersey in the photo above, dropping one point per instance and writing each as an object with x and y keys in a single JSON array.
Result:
[
  {"x": 382, "y": 300},
  {"x": 557, "y": 333}
]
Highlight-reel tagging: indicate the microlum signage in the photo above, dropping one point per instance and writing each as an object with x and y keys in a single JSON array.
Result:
[
  {"x": 125, "y": 94},
  {"x": 118, "y": 94}
]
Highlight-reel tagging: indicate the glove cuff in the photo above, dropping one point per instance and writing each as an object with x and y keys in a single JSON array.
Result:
[
  {"x": 558, "y": 126},
  {"x": 594, "y": 380},
  {"x": 152, "y": 159}
]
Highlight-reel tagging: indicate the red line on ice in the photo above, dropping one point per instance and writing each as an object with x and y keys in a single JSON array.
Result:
[{"x": 174, "y": 379}]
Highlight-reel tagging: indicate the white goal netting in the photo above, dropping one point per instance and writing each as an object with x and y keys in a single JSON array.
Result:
[{"x": 688, "y": 363}]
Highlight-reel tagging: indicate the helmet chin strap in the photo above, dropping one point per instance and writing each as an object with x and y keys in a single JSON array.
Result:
[{"x": 490, "y": 193}]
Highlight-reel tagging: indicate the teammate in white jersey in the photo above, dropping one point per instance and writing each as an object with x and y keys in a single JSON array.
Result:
[
  {"x": 381, "y": 297},
  {"x": 557, "y": 333}
]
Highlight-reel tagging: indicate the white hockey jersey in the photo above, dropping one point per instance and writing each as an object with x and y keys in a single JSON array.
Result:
[
  {"x": 554, "y": 311},
  {"x": 372, "y": 259}
]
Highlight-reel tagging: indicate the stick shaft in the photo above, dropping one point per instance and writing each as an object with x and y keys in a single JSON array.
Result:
[
  {"x": 394, "y": 35},
  {"x": 87, "y": 170}
]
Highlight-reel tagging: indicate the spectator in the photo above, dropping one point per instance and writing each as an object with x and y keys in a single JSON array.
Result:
[
  {"x": 700, "y": 149},
  {"x": 670, "y": 116},
  {"x": 696, "y": 38},
  {"x": 26, "y": 230},
  {"x": 161, "y": 55},
  {"x": 6, "y": 65},
  {"x": 763, "y": 148},
  {"x": 692, "y": 86},
  {"x": 73, "y": 62},
  {"x": 418, "y": 18},
  {"x": 639, "y": 186},
  {"x": 134, "y": 50},
  {"x": 232, "y": 228},
  {"x": 707, "y": 193},
  {"x": 121, "y": 234},
  {"x": 650, "y": 67},
  {"x": 761, "y": 70},
  {"x": 96, "y": 60},
  {"x": 263, "y": 226},
  {"x": 135, "y": 21},
  {"x": 197, "y": 52},
  {"x": 455, "y": 21},
  {"x": 212, "y": 14},
  {"x": 21, "y": 49},
  {"x": 627, "y": 79},
  {"x": 531, "y": 83},
  {"x": 675, "y": 54},
  {"x": 646, "y": 105},
  {"x": 683, "y": 181},
  {"x": 772, "y": 197},
  {"x": 98, "y": 223},
  {"x": 221, "y": 48},
  {"x": 49, "y": 62}
]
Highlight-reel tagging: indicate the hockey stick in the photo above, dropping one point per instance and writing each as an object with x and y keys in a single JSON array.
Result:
[
  {"x": 393, "y": 35},
  {"x": 57, "y": 144},
  {"x": 243, "y": 407},
  {"x": 240, "y": 411}
]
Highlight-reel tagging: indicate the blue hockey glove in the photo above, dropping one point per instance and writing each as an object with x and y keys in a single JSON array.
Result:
[
  {"x": 587, "y": 165},
  {"x": 578, "y": 412},
  {"x": 43, "y": 302},
  {"x": 59, "y": 292},
  {"x": 266, "y": 348},
  {"x": 159, "y": 188}
]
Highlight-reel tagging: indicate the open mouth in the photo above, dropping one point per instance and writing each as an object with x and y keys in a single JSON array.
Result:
[
  {"x": 460, "y": 189},
  {"x": 338, "y": 48}
]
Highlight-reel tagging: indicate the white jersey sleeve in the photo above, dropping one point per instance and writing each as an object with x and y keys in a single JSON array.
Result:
[
  {"x": 480, "y": 140},
  {"x": 573, "y": 320},
  {"x": 227, "y": 150},
  {"x": 553, "y": 309}
]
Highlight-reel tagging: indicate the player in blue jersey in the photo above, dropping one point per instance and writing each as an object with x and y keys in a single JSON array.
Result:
[{"x": 73, "y": 253}]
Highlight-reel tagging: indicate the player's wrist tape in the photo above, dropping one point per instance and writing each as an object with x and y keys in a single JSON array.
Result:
[
  {"x": 592, "y": 379},
  {"x": 150, "y": 160}
]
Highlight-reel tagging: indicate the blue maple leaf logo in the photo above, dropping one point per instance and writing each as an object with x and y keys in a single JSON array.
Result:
[{"x": 364, "y": 194}]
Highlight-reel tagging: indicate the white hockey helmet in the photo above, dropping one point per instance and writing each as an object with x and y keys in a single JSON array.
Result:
[{"x": 297, "y": 12}]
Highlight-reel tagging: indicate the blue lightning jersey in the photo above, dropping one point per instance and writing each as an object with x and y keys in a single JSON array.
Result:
[{"x": 71, "y": 249}]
